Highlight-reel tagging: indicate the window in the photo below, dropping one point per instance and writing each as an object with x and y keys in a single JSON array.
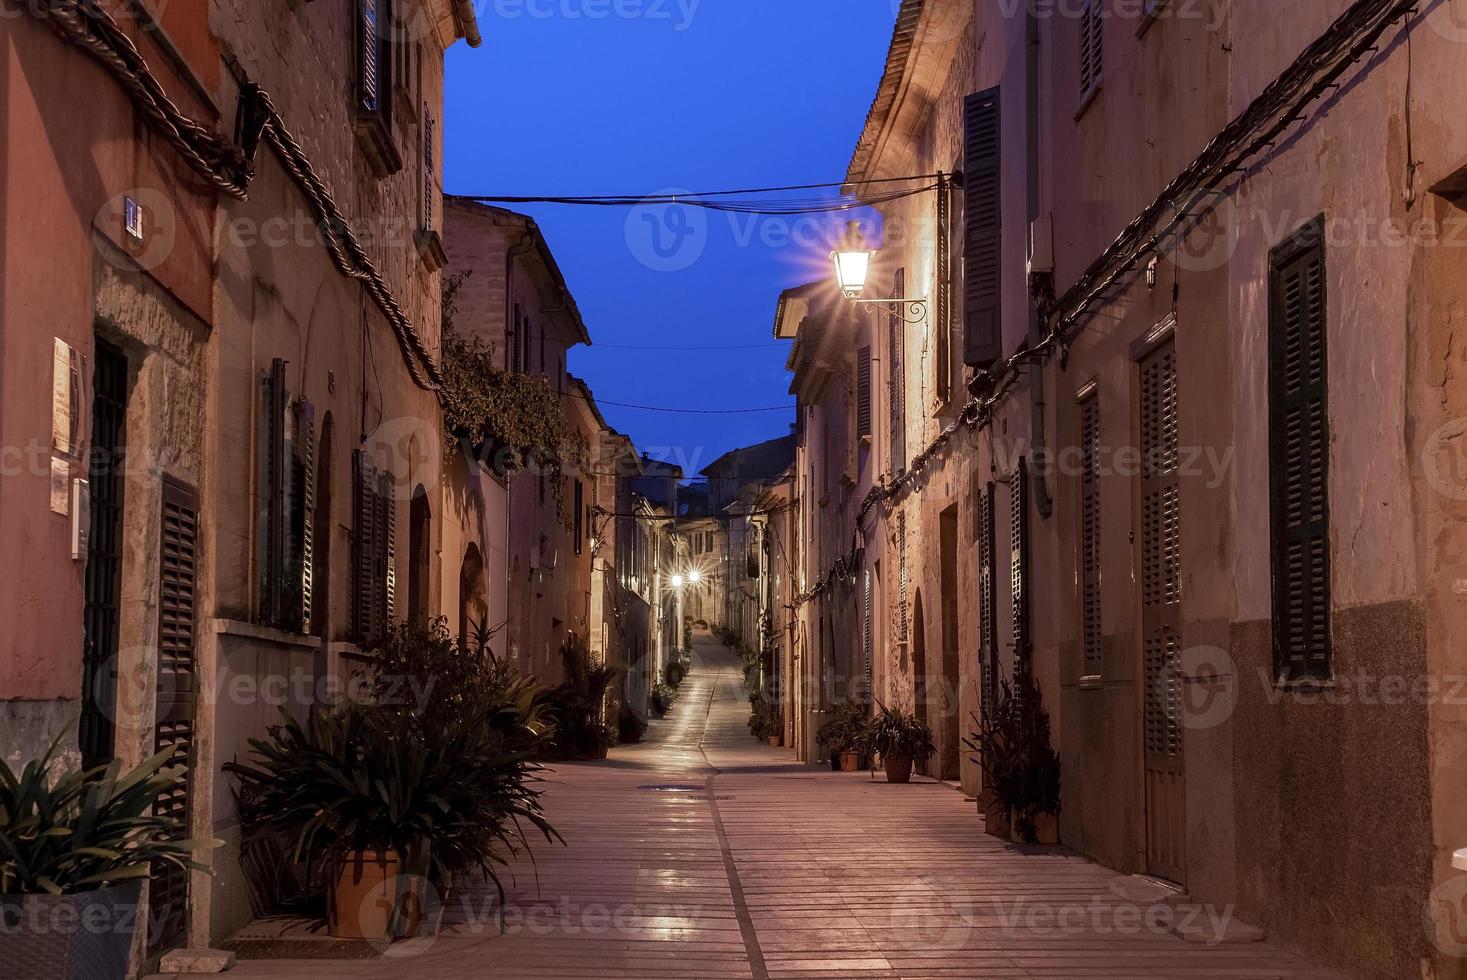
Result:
[
  {"x": 863, "y": 393},
  {"x": 942, "y": 326},
  {"x": 420, "y": 556},
  {"x": 1299, "y": 456},
  {"x": 896, "y": 383},
  {"x": 375, "y": 68},
  {"x": 982, "y": 229},
  {"x": 902, "y": 577},
  {"x": 1092, "y": 48},
  {"x": 987, "y": 593},
  {"x": 580, "y": 512},
  {"x": 287, "y": 503},
  {"x": 431, "y": 190},
  {"x": 1019, "y": 564},
  {"x": 1090, "y": 608},
  {"x": 516, "y": 325},
  {"x": 374, "y": 552}
]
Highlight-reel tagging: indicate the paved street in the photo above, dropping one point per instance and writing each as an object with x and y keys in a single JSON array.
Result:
[{"x": 703, "y": 854}]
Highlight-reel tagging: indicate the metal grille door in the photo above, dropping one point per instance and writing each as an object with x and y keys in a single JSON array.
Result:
[
  {"x": 104, "y": 556},
  {"x": 1161, "y": 598}
]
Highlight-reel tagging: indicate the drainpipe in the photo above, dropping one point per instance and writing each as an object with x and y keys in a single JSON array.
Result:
[
  {"x": 1043, "y": 502},
  {"x": 468, "y": 22}
]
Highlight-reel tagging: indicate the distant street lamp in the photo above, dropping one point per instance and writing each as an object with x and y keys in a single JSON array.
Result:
[
  {"x": 677, "y": 581},
  {"x": 695, "y": 576},
  {"x": 852, "y": 259}
]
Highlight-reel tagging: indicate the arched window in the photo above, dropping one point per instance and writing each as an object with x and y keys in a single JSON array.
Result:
[
  {"x": 473, "y": 603},
  {"x": 420, "y": 556}
]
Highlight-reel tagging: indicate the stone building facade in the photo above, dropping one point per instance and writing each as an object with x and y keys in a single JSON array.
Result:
[
  {"x": 1179, "y": 429},
  {"x": 246, "y": 261}
]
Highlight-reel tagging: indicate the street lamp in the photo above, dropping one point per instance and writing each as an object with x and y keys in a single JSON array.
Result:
[
  {"x": 852, "y": 259},
  {"x": 677, "y": 581},
  {"x": 695, "y": 576}
]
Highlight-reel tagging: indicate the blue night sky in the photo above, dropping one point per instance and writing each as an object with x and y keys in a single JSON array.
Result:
[{"x": 742, "y": 93}]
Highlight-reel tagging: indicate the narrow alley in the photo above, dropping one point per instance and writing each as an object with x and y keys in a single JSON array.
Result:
[{"x": 700, "y": 853}]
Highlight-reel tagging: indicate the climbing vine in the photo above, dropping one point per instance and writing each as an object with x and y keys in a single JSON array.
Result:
[{"x": 508, "y": 420}]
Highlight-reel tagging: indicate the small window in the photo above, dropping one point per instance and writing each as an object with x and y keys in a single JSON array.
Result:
[
  {"x": 287, "y": 495},
  {"x": 1092, "y": 48},
  {"x": 580, "y": 512},
  {"x": 374, "y": 552},
  {"x": 375, "y": 68},
  {"x": 863, "y": 393}
]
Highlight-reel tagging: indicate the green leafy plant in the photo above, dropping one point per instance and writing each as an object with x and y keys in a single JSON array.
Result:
[
  {"x": 364, "y": 778},
  {"x": 76, "y": 831},
  {"x": 578, "y": 705},
  {"x": 630, "y": 726},
  {"x": 1020, "y": 766},
  {"x": 844, "y": 727},
  {"x": 661, "y": 698},
  {"x": 510, "y": 417},
  {"x": 766, "y": 720},
  {"x": 443, "y": 682},
  {"x": 898, "y": 734}
]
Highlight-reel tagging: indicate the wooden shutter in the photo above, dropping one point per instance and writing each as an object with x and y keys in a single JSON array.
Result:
[
  {"x": 369, "y": 55},
  {"x": 1092, "y": 48},
  {"x": 514, "y": 339},
  {"x": 305, "y": 510},
  {"x": 896, "y": 382},
  {"x": 429, "y": 170},
  {"x": 863, "y": 392},
  {"x": 387, "y": 546},
  {"x": 366, "y": 592},
  {"x": 1019, "y": 563},
  {"x": 176, "y": 690},
  {"x": 1161, "y": 601},
  {"x": 275, "y": 487},
  {"x": 866, "y": 630},
  {"x": 1090, "y": 606},
  {"x": 987, "y": 596},
  {"x": 1299, "y": 459},
  {"x": 902, "y": 577},
  {"x": 942, "y": 327},
  {"x": 983, "y": 229},
  {"x": 1161, "y": 547},
  {"x": 580, "y": 512}
]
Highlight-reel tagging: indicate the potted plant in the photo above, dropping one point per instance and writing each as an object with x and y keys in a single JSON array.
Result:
[
  {"x": 900, "y": 739},
  {"x": 1021, "y": 770},
  {"x": 74, "y": 849},
  {"x": 843, "y": 732},
  {"x": 661, "y": 698},
  {"x": 382, "y": 796},
  {"x": 766, "y": 720},
  {"x": 578, "y": 704}
]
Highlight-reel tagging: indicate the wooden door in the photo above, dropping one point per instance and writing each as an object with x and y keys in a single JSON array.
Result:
[{"x": 1161, "y": 598}]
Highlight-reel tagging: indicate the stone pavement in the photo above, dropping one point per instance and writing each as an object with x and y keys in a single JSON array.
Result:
[{"x": 702, "y": 853}]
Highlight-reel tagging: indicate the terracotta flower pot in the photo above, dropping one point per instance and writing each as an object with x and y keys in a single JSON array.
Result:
[
  {"x": 898, "y": 768},
  {"x": 773, "y": 741},
  {"x": 369, "y": 892},
  {"x": 997, "y": 820},
  {"x": 1046, "y": 828},
  {"x": 850, "y": 762},
  {"x": 88, "y": 934}
]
